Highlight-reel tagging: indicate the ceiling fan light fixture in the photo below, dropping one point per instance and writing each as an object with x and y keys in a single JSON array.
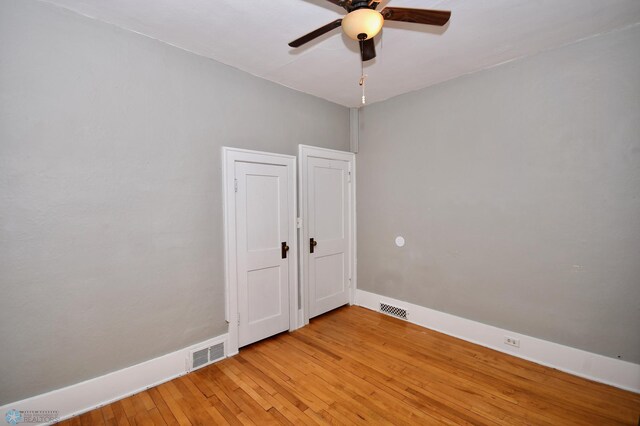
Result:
[{"x": 362, "y": 21}]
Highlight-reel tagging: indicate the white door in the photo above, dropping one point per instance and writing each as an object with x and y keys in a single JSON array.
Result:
[
  {"x": 327, "y": 221},
  {"x": 263, "y": 209}
]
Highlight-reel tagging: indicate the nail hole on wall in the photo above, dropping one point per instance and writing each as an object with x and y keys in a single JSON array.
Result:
[{"x": 399, "y": 241}]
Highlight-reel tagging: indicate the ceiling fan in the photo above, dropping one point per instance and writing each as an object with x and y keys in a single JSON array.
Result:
[{"x": 363, "y": 22}]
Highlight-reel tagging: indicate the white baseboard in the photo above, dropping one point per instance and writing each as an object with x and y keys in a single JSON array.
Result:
[
  {"x": 97, "y": 392},
  {"x": 614, "y": 372}
]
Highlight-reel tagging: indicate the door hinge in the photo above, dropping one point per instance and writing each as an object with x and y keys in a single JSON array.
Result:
[
  {"x": 238, "y": 318},
  {"x": 299, "y": 223},
  {"x": 349, "y": 176},
  {"x": 235, "y": 185}
]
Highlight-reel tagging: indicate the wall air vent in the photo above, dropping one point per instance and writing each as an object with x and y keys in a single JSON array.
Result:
[
  {"x": 394, "y": 311},
  {"x": 216, "y": 352},
  {"x": 200, "y": 358},
  {"x": 205, "y": 356}
]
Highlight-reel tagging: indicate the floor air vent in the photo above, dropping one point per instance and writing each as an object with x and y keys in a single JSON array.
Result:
[
  {"x": 201, "y": 357},
  {"x": 394, "y": 311}
]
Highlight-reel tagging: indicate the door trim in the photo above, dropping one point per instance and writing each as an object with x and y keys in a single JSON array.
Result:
[
  {"x": 229, "y": 157},
  {"x": 305, "y": 151}
]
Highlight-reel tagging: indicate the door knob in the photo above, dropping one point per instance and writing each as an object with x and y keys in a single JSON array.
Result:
[
  {"x": 312, "y": 244},
  {"x": 285, "y": 249}
]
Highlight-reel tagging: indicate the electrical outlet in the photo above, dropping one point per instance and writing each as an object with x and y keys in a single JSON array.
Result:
[{"x": 512, "y": 341}]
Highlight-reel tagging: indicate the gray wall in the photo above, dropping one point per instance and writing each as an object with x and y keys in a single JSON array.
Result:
[
  {"x": 111, "y": 244},
  {"x": 518, "y": 192}
]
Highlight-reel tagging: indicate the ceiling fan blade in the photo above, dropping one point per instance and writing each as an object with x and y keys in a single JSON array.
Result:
[
  {"x": 316, "y": 33},
  {"x": 417, "y": 16},
  {"x": 373, "y": 4},
  {"x": 367, "y": 49}
]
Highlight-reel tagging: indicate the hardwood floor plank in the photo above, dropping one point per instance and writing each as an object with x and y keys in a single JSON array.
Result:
[
  {"x": 156, "y": 417},
  {"x": 139, "y": 403},
  {"x": 287, "y": 388},
  {"x": 143, "y": 418},
  {"x": 119, "y": 414},
  {"x": 93, "y": 417},
  {"x": 146, "y": 400},
  {"x": 163, "y": 408},
  {"x": 194, "y": 403},
  {"x": 127, "y": 405},
  {"x": 220, "y": 392},
  {"x": 217, "y": 417},
  {"x": 248, "y": 389},
  {"x": 322, "y": 417},
  {"x": 253, "y": 364},
  {"x": 283, "y": 405},
  {"x": 172, "y": 403},
  {"x": 279, "y": 417},
  {"x": 355, "y": 366},
  {"x": 251, "y": 408},
  {"x": 204, "y": 385},
  {"x": 107, "y": 413},
  {"x": 224, "y": 411}
]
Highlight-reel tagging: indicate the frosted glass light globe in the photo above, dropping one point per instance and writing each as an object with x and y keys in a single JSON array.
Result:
[{"x": 362, "y": 21}]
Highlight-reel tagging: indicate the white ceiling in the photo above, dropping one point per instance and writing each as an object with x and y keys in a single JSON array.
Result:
[{"x": 253, "y": 36}]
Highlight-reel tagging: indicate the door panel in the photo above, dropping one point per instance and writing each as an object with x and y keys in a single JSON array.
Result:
[
  {"x": 329, "y": 202},
  {"x": 263, "y": 216},
  {"x": 264, "y": 294},
  {"x": 262, "y": 208},
  {"x": 328, "y": 224},
  {"x": 330, "y": 271}
]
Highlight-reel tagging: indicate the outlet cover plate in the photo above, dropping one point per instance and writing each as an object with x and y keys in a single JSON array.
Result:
[{"x": 512, "y": 341}]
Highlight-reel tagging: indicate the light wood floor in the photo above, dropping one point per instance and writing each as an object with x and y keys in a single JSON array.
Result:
[{"x": 357, "y": 366}]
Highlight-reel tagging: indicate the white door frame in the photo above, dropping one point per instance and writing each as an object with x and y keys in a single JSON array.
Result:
[
  {"x": 229, "y": 157},
  {"x": 305, "y": 151}
]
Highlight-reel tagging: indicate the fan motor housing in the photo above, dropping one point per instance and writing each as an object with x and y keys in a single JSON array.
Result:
[{"x": 359, "y": 4}]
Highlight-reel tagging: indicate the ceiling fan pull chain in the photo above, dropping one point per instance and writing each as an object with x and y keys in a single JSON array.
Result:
[
  {"x": 363, "y": 77},
  {"x": 362, "y": 83}
]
